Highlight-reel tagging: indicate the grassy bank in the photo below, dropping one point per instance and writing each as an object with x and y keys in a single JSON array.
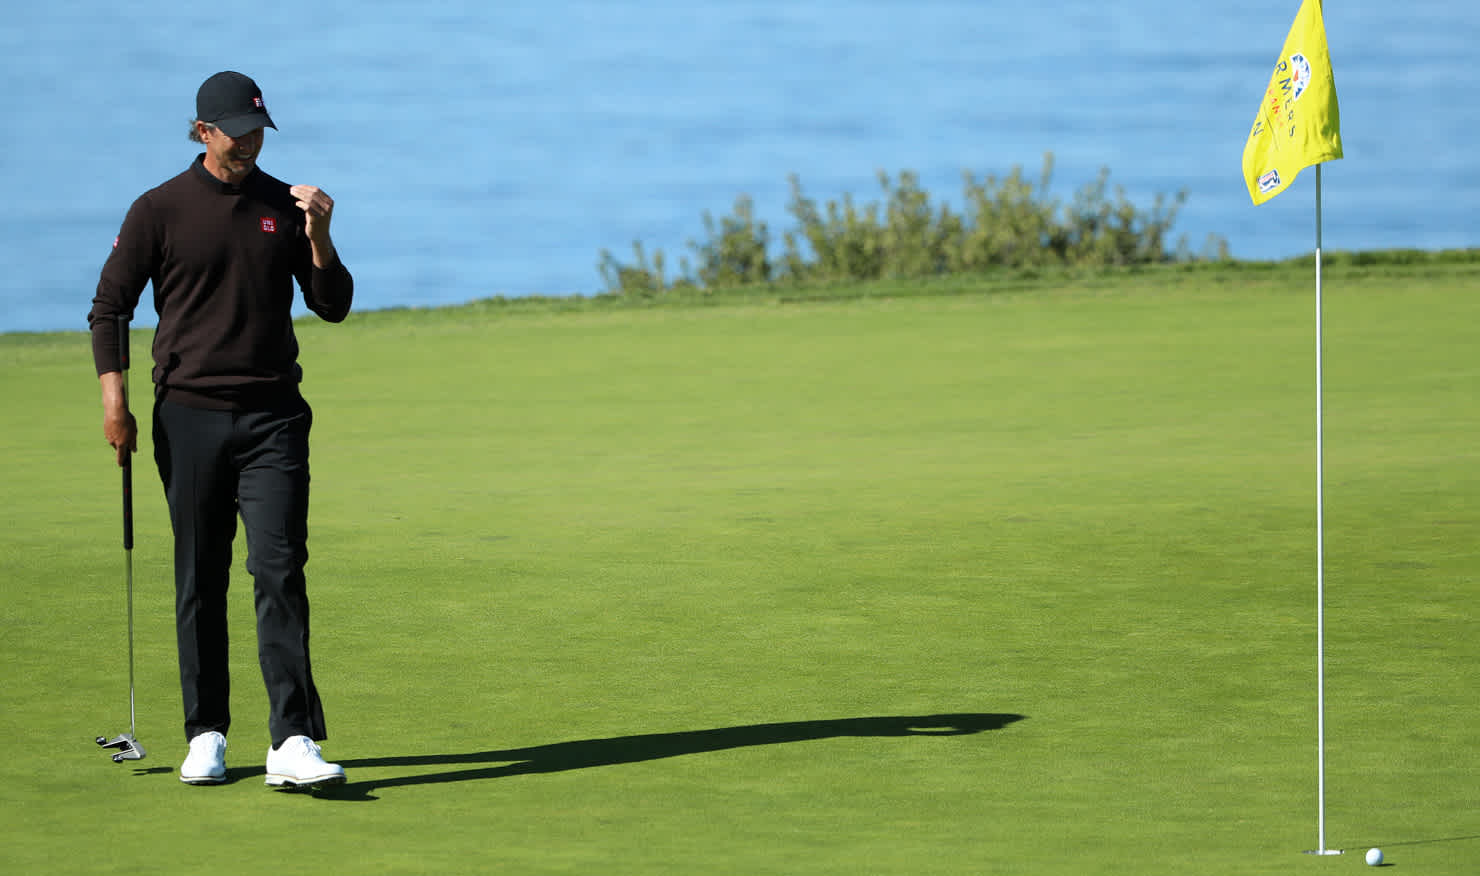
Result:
[{"x": 993, "y": 575}]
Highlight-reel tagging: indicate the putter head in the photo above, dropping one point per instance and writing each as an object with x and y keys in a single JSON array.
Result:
[{"x": 128, "y": 747}]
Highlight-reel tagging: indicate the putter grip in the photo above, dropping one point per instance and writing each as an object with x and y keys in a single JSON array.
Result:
[
  {"x": 128, "y": 460},
  {"x": 128, "y": 505}
]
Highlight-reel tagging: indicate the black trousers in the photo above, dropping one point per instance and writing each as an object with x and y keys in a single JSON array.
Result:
[{"x": 217, "y": 465}]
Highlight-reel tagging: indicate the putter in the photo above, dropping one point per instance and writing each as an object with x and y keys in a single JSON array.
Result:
[{"x": 127, "y": 744}]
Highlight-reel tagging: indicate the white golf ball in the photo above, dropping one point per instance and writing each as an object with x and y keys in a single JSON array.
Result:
[{"x": 1374, "y": 857}]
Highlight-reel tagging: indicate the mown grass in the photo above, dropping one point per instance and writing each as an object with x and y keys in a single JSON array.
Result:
[{"x": 652, "y": 587}]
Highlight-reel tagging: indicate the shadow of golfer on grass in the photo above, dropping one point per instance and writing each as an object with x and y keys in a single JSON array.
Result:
[{"x": 586, "y": 753}]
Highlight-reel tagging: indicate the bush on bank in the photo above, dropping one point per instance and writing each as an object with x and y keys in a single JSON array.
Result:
[{"x": 1010, "y": 222}]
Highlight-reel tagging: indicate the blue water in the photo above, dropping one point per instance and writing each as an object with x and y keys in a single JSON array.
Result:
[{"x": 484, "y": 148}]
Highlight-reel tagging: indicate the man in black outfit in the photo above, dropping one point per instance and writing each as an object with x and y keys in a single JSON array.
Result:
[{"x": 223, "y": 244}]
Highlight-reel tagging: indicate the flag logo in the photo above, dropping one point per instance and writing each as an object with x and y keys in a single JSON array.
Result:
[
  {"x": 1269, "y": 182},
  {"x": 269, "y": 225},
  {"x": 1299, "y": 76}
]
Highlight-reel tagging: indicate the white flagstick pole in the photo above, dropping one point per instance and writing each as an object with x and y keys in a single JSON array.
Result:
[{"x": 1320, "y": 546}]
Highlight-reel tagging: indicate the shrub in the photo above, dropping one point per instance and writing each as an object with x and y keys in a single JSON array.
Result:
[
  {"x": 1009, "y": 223},
  {"x": 736, "y": 251}
]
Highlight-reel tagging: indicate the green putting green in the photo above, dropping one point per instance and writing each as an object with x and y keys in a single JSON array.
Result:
[{"x": 960, "y": 577}]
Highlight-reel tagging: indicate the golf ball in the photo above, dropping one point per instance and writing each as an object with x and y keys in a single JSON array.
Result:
[{"x": 1374, "y": 857}]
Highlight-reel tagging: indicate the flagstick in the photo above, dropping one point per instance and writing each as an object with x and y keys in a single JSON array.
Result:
[{"x": 1320, "y": 554}]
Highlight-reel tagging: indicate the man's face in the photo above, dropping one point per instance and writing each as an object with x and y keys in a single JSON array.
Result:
[{"x": 230, "y": 158}]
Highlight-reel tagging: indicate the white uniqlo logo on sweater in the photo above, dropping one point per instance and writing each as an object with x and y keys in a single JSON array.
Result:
[{"x": 269, "y": 225}]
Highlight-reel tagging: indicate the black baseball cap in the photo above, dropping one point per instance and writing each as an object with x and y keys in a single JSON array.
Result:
[{"x": 232, "y": 102}]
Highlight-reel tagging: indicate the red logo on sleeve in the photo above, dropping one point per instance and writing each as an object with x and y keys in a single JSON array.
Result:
[{"x": 269, "y": 225}]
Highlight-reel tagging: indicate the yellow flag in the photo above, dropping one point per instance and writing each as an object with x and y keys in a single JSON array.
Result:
[{"x": 1298, "y": 123}]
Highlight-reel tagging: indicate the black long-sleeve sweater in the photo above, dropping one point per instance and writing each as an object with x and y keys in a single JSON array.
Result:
[{"x": 223, "y": 260}]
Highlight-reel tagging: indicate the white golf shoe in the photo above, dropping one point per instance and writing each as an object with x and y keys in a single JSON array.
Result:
[
  {"x": 206, "y": 762},
  {"x": 298, "y": 762}
]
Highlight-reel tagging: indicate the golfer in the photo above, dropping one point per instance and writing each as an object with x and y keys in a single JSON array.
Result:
[{"x": 223, "y": 243}]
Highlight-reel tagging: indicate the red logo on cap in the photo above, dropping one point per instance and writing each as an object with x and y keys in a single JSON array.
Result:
[
  {"x": 269, "y": 225},
  {"x": 257, "y": 102}
]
